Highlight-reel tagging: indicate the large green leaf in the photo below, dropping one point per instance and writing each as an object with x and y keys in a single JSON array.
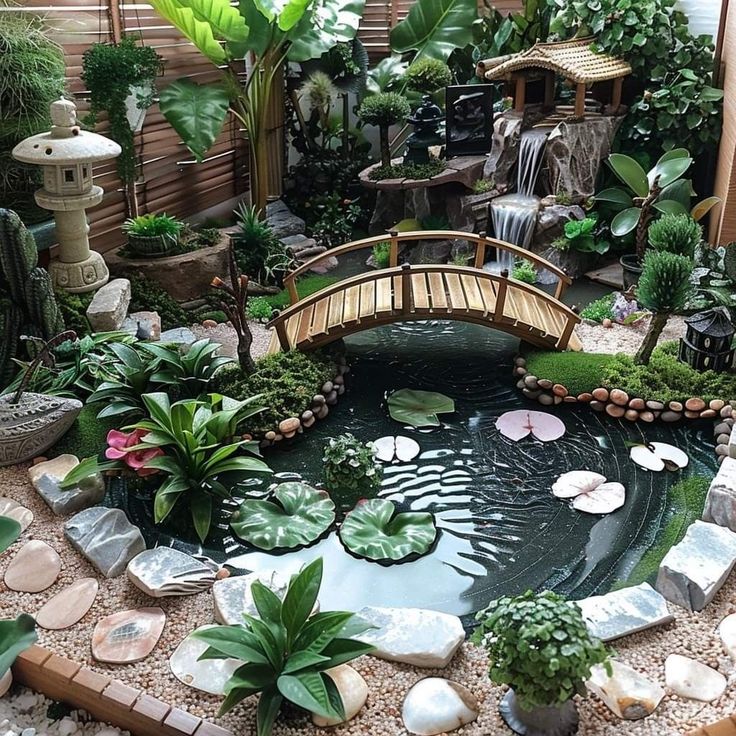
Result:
[
  {"x": 301, "y": 597},
  {"x": 15, "y": 637},
  {"x": 198, "y": 31},
  {"x": 625, "y": 221},
  {"x": 702, "y": 208},
  {"x": 298, "y": 515},
  {"x": 374, "y": 530},
  {"x": 630, "y": 173},
  {"x": 419, "y": 408},
  {"x": 9, "y": 532},
  {"x": 308, "y": 690},
  {"x": 435, "y": 28},
  {"x": 615, "y": 196},
  {"x": 670, "y": 207},
  {"x": 233, "y": 641},
  {"x": 325, "y": 24},
  {"x": 197, "y": 113},
  {"x": 224, "y": 20},
  {"x": 669, "y": 171}
]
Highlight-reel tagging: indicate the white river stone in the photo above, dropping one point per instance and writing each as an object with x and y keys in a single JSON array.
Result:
[
  {"x": 436, "y": 706},
  {"x": 164, "y": 571},
  {"x": 727, "y": 632},
  {"x": 232, "y": 596},
  {"x": 209, "y": 675},
  {"x": 689, "y": 678},
  {"x": 627, "y": 693},
  {"x": 353, "y": 690}
]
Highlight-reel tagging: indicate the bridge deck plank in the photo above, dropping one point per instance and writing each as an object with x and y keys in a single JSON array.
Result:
[
  {"x": 321, "y": 312},
  {"x": 419, "y": 290},
  {"x": 488, "y": 294},
  {"x": 472, "y": 293},
  {"x": 437, "y": 292},
  {"x": 336, "y": 302},
  {"x": 383, "y": 296},
  {"x": 456, "y": 293},
  {"x": 398, "y": 297},
  {"x": 367, "y": 300},
  {"x": 304, "y": 331},
  {"x": 351, "y": 310}
]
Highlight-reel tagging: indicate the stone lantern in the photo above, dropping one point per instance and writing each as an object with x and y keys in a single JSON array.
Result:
[
  {"x": 426, "y": 121},
  {"x": 66, "y": 154}
]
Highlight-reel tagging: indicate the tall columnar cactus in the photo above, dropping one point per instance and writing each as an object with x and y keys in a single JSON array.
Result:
[{"x": 27, "y": 303}]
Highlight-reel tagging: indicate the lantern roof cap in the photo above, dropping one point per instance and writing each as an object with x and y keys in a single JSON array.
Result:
[{"x": 714, "y": 322}]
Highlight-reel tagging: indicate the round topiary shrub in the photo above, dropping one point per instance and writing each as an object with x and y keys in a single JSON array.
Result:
[
  {"x": 428, "y": 75},
  {"x": 678, "y": 234},
  {"x": 384, "y": 109}
]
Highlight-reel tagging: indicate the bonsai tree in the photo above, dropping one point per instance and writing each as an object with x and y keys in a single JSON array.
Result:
[
  {"x": 384, "y": 110},
  {"x": 539, "y": 645},
  {"x": 678, "y": 234},
  {"x": 427, "y": 75},
  {"x": 664, "y": 288}
]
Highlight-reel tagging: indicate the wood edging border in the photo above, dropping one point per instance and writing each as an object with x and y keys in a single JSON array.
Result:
[{"x": 105, "y": 698}]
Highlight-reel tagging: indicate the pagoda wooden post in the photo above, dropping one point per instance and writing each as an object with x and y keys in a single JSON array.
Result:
[
  {"x": 618, "y": 85},
  {"x": 520, "y": 93},
  {"x": 549, "y": 89},
  {"x": 580, "y": 100}
]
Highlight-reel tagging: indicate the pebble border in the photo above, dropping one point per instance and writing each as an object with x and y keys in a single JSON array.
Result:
[
  {"x": 105, "y": 698},
  {"x": 618, "y": 404}
]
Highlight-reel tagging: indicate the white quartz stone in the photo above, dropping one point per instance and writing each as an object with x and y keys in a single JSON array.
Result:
[
  {"x": 232, "y": 596},
  {"x": 209, "y": 675},
  {"x": 627, "y": 693},
  {"x": 727, "y": 632},
  {"x": 436, "y": 706},
  {"x": 164, "y": 571},
  {"x": 353, "y": 690},
  {"x": 689, "y": 678}
]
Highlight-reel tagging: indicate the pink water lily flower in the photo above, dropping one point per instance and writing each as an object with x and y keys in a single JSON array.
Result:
[{"x": 119, "y": 444}]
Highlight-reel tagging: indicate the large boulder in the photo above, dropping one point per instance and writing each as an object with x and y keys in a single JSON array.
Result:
[
  {"x": 501, "y": 163},
  {"x": 282, "y": 221}
]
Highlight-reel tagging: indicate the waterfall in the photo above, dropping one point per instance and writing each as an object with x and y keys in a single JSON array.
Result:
[
  {"x": 514, "y": 217},
  {"x": 531, "y": 153}
]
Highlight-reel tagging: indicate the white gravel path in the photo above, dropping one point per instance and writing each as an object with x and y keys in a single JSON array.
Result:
[{"x": 624, "y": 338}]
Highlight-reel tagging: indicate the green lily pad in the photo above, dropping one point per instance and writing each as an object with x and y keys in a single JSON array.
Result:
[
  {"x": 419, "y": 408},
  {"x": 9, "y": 531},
  {"x": 297, "y": 515},
  {"x": 374, "y": 530}
]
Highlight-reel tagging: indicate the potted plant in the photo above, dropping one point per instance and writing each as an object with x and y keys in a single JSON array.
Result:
[
  {"x": 539, "y": 645},
  {"x": 645, "y": 196},
  {"x": 152, "y": 236}
]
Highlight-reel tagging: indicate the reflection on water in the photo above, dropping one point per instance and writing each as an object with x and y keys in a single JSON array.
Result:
[{"x": 501, "y": 530}]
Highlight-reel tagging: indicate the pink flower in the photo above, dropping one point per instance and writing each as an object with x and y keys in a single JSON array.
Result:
[{"x": 119, "y": 445}]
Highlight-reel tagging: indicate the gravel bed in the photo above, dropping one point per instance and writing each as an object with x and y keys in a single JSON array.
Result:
[
  {"x": 692, "y": 634},
  {"x": 625, "y": 338},
  {"x": 225, "y": 334}
]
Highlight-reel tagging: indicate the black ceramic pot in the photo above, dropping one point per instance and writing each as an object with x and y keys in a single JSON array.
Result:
[
  {"x": 542, "y": 721},
  {"x": 632, "y": 270}
]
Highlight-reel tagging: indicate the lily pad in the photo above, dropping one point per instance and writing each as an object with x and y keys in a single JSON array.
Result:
[
  {"x": 590, "y": 492},
  {"x": 403, "y": 449},
  {"x": 657, "y": 456},
  {"x": 297, "y": 516},
  {"x": 9, "y": 531},
  {"x": 374, "y": 530},
  {"x": 419, "y": 408},
  {"x": 520, "y": 423},
  {"x": 572, "y": 484}
]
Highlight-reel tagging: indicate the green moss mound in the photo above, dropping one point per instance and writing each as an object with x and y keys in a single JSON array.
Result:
[
  {"x": 286, "y": 383},
  {"x": 73, "y": 309},
  {"x": 148, "y": 296},
  {"x": 577, "y": 372},
  {"x": 305, "y": 287},
  {"x": 87, "y": 436}
]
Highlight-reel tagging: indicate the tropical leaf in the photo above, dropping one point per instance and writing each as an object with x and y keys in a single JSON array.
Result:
[
  {"x": 325, "y": 24},
  {"x": 670, "y": 207},
  {"x": 419, "y": 408},
  {"x": 224, "y": 20},
  {"x": 197, "y": 113},
  {"x": 702, "y": 208},
  {"x": 615, "y": 196},
  {"x": 625, "y": 221},
  {"x": 630, "y": 173},
  {"x": 297, "y": 516},
  {"x": 669, "y": 171},
  {"x": 308, "y": 690},
  {"x": 435, "y": 28},
  {"x": 9, "y": 531},
  {"x": 15, "y": 636},
  {"x": 374, "y": 530},
  {"x": 301, "y": 598},
  {"x": 386, "y": 75}
]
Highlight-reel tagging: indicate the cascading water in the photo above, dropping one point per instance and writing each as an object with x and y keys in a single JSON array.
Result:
[{"x": 514, "y": 215}]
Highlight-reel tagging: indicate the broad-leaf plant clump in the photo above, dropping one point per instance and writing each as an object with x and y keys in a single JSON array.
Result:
[{"x": 350, "y": 465}]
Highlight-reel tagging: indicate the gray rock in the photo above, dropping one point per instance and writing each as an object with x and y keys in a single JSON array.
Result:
[
  {"x": 143, "y": 325},
  {"x": 415, "y": 636},
  {"x": 105, "y": 538},
  {"x": 693, "y": 571},
  {"x": 46, "y": 478},
  {"x": 282, "y": 221},
  {"x": 720, "y": 503},
  {"x": 179, "y": 336},
  {"x": 163, "y": 571},
  {"x": 297, "y": 243},
  {"x": 109, "y": 306},
  {"x": 504, "y": 150},
  {"x": 625, "y": 611},
  {"x": 232, "y": 597}
]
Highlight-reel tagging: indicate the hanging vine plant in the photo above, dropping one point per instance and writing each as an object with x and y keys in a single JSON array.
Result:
[{"x": 120, "y": 79}]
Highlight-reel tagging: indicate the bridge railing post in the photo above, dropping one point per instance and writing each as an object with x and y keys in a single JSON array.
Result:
[
  {"x": 480, "y": 250},
  {"x": 281, "y": 332},
  {"x": 393, "y": 256},
  {"x": 560, "y": 289},
  {"x": 290, "y": 282},
  {"x": 501, "y": 295},
  {"x": 405, "y": 288}
]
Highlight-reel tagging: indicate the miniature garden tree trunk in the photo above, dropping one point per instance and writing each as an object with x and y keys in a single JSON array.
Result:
[
  {"x": 664, "y": 288},
  {"x": 385, "y": 148}
]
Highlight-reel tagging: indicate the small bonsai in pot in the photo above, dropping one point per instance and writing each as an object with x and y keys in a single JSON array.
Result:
[
  {"x": 538, "y": 644},
  {"x": 152, "y": 236},
  {"x": 384, "y": 110}
]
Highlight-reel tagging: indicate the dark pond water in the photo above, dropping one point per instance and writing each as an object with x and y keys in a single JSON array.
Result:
[{"x": 500, "y": 529}]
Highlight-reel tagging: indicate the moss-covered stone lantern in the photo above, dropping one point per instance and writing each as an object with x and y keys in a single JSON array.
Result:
[
  {"x": 66, "y": 154},
  {"x": 707, "y": 344}
]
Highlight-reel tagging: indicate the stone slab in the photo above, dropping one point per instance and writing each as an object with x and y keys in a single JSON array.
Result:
[
  {"x": 164, "y": 571},
  {"x": 46, "y": 478},
  {"x": 693, "y": 571},
  {"x": 625, "y": 611},
  {"x": 720, "y": 503},
  {"x": 109, "y": 306}
]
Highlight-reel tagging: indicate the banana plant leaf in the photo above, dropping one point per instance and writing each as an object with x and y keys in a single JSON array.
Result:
[
  {"x": 325, "y": 24},
  {"x": 419, "y": 408},
  {"x": 15, "y": 637},
  {"x": 435, "y": 28},
  {"x": 197, "y": 113},
  {"x": 375, "y": 531},
  {"x": 9, "y": 532},
  {"x": 297, "y": 516}
]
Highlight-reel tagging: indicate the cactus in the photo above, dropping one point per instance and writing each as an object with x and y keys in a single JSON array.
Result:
[{"x": 27, "y": 302}]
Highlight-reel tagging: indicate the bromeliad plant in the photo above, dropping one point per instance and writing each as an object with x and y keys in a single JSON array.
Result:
[{"x": 287, "y": 650}]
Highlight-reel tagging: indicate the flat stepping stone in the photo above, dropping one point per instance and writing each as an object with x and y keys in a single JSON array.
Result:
[
  {"x": 164, "y": 571},
  {"x": 34, "y": 568},
  {"x": 14, "y": 510},
  {"x": 69, "y": 606},
  {"x": 414, "y": 636},
  {"x": 627, "y": 693},
  {"x": 694, "y": 570},
  {"x": 46, "y": 478},
  {"x": 208, "y": 675},
  {"x": 720, "y": 503},
  {"x": 127, "y": 636},
  {"x": 689, "y": 678},
  {"x": 623, "y": 612},
  {"x": 105, "y": 538},
  {"x": 436, "y": 706}
]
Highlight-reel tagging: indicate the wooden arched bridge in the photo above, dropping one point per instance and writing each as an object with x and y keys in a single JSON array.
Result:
[{"x": 421, "y": 292}]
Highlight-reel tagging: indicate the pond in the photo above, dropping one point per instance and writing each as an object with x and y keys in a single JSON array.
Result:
[{"x": 500, "y": 529}]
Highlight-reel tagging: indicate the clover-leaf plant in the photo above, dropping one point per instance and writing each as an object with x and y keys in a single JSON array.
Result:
[
  {"x": 287, "y": 650},
  {"x": 350, "y": 465}
]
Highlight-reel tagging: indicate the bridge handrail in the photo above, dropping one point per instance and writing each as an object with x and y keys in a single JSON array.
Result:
[
  {"x": 407, "y": 270},
  {"x": 480, "y": 240}
]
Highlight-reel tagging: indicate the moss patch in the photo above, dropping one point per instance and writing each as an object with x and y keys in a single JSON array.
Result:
[
  {"x": 87, "y": 436},
  {"x": 577, "y": 372},
  {"x": 305, "y": 287}
]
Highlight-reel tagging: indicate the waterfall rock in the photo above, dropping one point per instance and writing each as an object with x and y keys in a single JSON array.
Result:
[
  {"x": 353, "y": 691},
  {"x": 435, "y": 706},
  {"x": 625, "y": 611},
  {"x": 689, "y": 678},
  {"x": 106, "y": 538},
  {"x": 504, "y": 150},
  {"x": 164, "y": 571},
  {"x": 720, "y": 503},
  {"x": 414, "y": 636},
  {"x": 627, "y": 693},
  {"x": 46, "y": 478},
  {"x": 574, "y": 154},
  {"x": 694, "y": 570}
]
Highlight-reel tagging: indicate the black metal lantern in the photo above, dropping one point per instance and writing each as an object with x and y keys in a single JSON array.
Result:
[
  {"x": 426, "y": 121},
  {"x": 707, "y": 344}
]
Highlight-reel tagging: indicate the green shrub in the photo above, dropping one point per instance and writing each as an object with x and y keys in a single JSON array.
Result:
[
  {"x": 286, "y": 383},
  {"x": 87, "y": 436},
  {"x": 600, "y": 309},
  {"x": 73, "y": 309},
  {"x": 524, "y": 271},
  {"x": 382, "y": 254},
  {"x": 383, "y": 109},
  {"x": 428, "y": 75},
  {"x": 577, "y": 372},
  {"x": 481, "y": 186},
  {"x": 152, "y": 225},
  {"x": 350, "y": 466},
  {"x": 259, "y": 308},
  {"x": 678, "y": 234},
  {"x": 148, "y": 296}
]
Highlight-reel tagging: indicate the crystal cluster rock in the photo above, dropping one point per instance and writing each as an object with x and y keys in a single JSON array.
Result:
[
  {"x": 46, "y": 478},
  {"x": 720, "y": 503},
  {"x": 164, "y": 571},
  {"x": 105, "y": 538},
  {"x": 627, "y": 693},
  {"x": 436, "y": 706}
]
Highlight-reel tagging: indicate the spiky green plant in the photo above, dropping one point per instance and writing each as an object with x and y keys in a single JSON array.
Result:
[
  {"x": 31, "y": 78},
  {"x": 676, "y": 234},
  {"x": 664, "y": 288}
]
